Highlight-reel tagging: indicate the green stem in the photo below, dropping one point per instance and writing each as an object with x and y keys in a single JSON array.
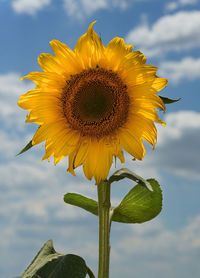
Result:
[{"x": 104, "y": 228}]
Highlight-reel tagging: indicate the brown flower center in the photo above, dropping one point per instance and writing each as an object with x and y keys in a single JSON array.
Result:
[{"x": 95, "y": 102}]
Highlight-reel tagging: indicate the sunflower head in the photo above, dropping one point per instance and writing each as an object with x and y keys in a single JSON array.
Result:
[{"x": 93, "y": 102}]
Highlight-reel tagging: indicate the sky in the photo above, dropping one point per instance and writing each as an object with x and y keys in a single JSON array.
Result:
[{"x": 31, "y": 200}]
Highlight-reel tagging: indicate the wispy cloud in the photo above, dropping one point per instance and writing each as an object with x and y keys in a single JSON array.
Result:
[
  {"x": 143, "y": 238},
  {"x": 187, "y": 69},
  {"x": 30, "y": 7},
  {"x": 78, "y": 9},
  {"x": 10, "y": 90},
  {"x": 160, "y": 250},
  {"x": 179, "y": 140},
  {"x": 176, "y": 151},
  {"x": 177, "y": 32},
  {"x": 171, "y": 6},
  {"x": 83, "y": 8}
]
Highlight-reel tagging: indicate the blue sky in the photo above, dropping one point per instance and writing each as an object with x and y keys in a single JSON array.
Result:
[{"x": 31, "y": 201}]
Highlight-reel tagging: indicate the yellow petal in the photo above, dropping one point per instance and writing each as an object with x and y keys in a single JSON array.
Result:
[
  {"x": 65, "y": 144},
  {"x": 118, "y": 152},
  {"x": 49, "y": 150},
  {"x": 149, "y": 101},
  {"x": 101, "y": 151},
  {"x": 41, "y": 116},
  {"x": 98, "y": 162},
  {"x": 159, "y": 83},
  {"x": 143, "y": 127},
  {"x": 46, "y": 113},
  {"x": 50, "y": 63},
  {"x": 138, "y": 75},
  {"x": 115, "y": 52},
  {"x": 78, "y": 156},
  {"x": 89, "y": 48},
  {"x": 149, "y": 114},
  {"x": 132, "y": 144},
  {"x": 135, "y": 58},
  {"x": 35, "y": 98},
  {"x": 47, "y": 131},
  {"x": 46, "y": 79},
  {"x": 118, "y": 47},
  {"x": 60, "y": 140},
  {"x": 66, "y": 57}
]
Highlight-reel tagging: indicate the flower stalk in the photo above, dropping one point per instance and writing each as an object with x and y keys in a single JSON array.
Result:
[{"x": 104, "y": 208}]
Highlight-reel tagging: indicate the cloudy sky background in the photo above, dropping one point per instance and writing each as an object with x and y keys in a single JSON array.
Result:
[{"x": 31, "y": 200}]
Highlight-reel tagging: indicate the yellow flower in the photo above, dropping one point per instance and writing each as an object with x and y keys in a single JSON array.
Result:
[{"x": 92, "y": 102}]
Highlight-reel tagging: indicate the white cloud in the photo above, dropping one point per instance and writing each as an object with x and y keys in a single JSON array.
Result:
[
  {"x": 177, "y": 32},
  {"x": 74, "y": 8},
  {"x": 188, "y": 2},
  {"x": 171, "y": 6},
  {"x": 83, "y": 8},
  {"x": 187, "y": 69},
  {"x": 177, "y": 124},
  {"x": 160, "y": 250},
  {"x": 29, "y": 6},
  {"x": 79, "y": 8},
  {"x": 177, "y": 150},
  {"x": 10, "y": 90},
  {"x": 10, "y": 83}
]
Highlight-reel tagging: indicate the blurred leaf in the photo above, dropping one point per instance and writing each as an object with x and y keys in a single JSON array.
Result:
[
  {"x": 140, "y": 204},
  {"x": 26, "y": 148},
  {"x": 81, "y": 202},
  {"x": 169, "y": 100},
  {"x": 46, "y": 253},
  {"x": 126, "y": 173},
  {"x": 50, "y": 264},
  {"x": 90, "y": 273}
]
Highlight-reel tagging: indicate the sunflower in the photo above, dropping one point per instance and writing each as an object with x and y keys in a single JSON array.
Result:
[{"x": 93, "y": 102}]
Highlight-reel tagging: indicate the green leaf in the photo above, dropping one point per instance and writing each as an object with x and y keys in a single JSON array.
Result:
[
  {"x": 140, "y": 204},
  {"x": 68, "y": 266},
  {"x": 26, "y": 148},
  {"x": 169, "y": 100},
  {"x": 81, "y": 202},
  {"x": 126, "y": 173},
  {"x": 50, "y": 264}
]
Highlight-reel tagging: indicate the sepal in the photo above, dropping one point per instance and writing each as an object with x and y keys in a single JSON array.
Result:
[
  {"x": 26, "y": 148},
  {"x": 169, "y": 100}
]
